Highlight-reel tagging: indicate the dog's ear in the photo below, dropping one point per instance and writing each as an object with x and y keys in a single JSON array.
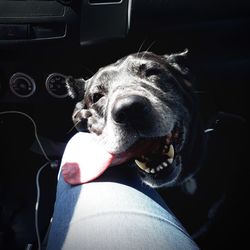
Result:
[
  {"x": 76, "y": 88},
  {"x": 179, "y": 62}
]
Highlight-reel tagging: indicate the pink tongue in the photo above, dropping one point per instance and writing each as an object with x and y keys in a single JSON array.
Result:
[{"x": 84, "y": 159}]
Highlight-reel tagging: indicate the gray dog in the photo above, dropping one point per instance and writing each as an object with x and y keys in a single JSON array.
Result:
[{"x": 142, "y": 109}]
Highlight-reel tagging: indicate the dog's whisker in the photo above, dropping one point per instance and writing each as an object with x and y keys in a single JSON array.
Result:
[
  {"x": 149, "y": 47},
  {"x": 73, "y": 127},
  {"x": 140, "y": 48}
]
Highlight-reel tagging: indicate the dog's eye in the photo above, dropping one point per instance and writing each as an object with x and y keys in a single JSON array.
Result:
[
  {"x": 152, "y": 72},
  {"x": 96, "y": 97}
]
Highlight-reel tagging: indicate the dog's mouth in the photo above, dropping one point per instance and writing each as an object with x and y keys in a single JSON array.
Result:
[{"x": 157, "y": 157}]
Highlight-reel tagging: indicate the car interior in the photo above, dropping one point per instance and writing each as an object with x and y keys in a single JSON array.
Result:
[{"x": 44, "y": 41}]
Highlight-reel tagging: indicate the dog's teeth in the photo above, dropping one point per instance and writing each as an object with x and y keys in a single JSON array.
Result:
[
  {"x": 144, "y": 167},
  {"x": 164, "y": 164},
  {"x": 170, "y": 160},
  {"x": 141, "y": 165},
  {"x": 161, "y": 167},
  {"x": 152, "y": 171},
  {"x": 158, "y": 168},
  {"x": 170, "y": 152},
  {"x": 165, "y": 149}
]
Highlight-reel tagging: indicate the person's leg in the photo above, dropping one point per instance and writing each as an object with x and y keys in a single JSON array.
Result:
[{"x": 115, "y": 212}]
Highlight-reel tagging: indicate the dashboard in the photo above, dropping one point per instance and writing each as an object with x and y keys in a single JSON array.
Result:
[{"x": 41, "y": 41}]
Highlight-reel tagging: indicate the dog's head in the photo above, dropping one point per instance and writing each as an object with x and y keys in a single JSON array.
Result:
[{"x": 142, "y": 110}]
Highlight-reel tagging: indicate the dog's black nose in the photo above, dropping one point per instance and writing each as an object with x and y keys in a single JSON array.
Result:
[{"x": 132, "y": 110}]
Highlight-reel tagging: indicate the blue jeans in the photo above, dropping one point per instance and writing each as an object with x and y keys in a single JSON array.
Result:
[{"x": 118, "y": 212}]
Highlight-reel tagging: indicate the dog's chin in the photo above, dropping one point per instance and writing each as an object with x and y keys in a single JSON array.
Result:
[{"x": 157, "y": 159}]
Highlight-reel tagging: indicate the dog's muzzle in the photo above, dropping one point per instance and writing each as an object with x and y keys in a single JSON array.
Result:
[{"x": 133, "y": 111}]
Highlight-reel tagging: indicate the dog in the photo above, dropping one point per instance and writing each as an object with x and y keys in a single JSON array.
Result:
[{"x": 143, "y": 110}]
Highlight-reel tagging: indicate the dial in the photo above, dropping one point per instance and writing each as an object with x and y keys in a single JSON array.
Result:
[
  {"x": 55, "y": 84},
  {"x": 22, "y": 85}
]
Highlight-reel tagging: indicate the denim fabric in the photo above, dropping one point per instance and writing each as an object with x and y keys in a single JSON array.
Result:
[{"x": 117, "y": 212}]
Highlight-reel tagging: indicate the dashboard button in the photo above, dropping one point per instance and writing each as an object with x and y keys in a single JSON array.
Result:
[
  {"x": 56, "y": 86},
  {"x": 22, "y": 85}
]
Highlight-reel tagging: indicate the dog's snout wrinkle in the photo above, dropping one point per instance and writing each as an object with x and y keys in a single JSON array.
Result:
[
  {"x": 80, "y": 119},
  {"x": 132, "y": 110}
]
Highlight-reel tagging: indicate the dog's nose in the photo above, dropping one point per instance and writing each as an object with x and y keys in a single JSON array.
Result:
[{"x": 132, "y": 110}]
